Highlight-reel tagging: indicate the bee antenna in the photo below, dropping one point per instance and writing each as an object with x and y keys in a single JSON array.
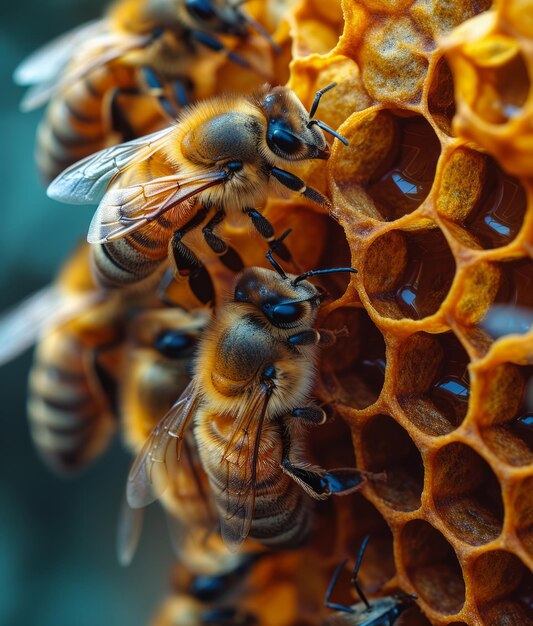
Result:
[
  {"x": 330, "y": 270},
  {"x": 275, "y": 243},
  {"x": 328, "y": 130},
  {"x": 356, "y": 571},
  {"x": 316, "y": 101},
  {"x": 259, "y": 28}
]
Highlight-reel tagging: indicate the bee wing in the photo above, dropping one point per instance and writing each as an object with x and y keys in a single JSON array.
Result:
[
  {"x": 45, "y": 63},
  {"x": 86, "y": 181},
  {"x": 129, "y": 530},
  {"x": 26, "y": 322},
  {"x": 157, "y": 463},
  {"x": 95, "y": 53},
  {"x": 123, "y": 211},
  {"x": 237, "y": 519}
]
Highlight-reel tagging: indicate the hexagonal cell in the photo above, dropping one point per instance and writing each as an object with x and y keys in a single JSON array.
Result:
[
  {"x": 523, "y": 513},
  {"x": 433, "y": 384},
  {"x": 507, "y": 422},
  {"x": 486, "y": 201},
  {"x": 353, "y": 369},
  {"x": 432, "y": 567},
  {"x": 408, "y": 274},
  {"x": 441, "y": 103},
  {"x": 499, "y": 79},
  {"x": 516, "y": 283},
  {"x": 386, "y": 447},
  {"x": 336, "y": 254},
  {"x": 503, "y": 589},
  {"x": 393, "y": 158},
  {"x": 467, "y": 494}
]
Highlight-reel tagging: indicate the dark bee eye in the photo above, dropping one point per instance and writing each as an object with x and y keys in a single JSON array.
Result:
[
  {"x": 200, "y": 9},
  {"x": 174, "y": 344},
  {"x": 283, "y": 314},
  {"x": 281, "y": 138}
]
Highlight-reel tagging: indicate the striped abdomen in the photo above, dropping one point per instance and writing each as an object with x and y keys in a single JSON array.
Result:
[
  {"x": 69, "y": 412},
  {"x": 282, "y": 513},
  {"x": 78, "y": 121}
]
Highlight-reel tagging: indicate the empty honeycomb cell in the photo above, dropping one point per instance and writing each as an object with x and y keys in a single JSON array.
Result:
[
  {"x": 419, "y": 272},
  {"x": 441, "y": 103},
  {"x": 433, "y": 384},
  {"x": 523, "y": 513},
  {"x": 467, "y": 494},
  {"x": 353, "y": 369},
  {"x": 502, "y": 83},
  {"x": 386, "y": 447},
  {"x": 510, "y": 435},
  {"x": 432, "y": 567},
  {"x": 503, "y": 589},
  {"x": 392, "y": 60},
  {"x": 438, "y": 18}
]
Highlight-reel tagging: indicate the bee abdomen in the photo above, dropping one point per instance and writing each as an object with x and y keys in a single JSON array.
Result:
[
  {"x": 70, "y": 422},
  {"x": 126, "y": 261},
  {"x": 76, "y": 123}
]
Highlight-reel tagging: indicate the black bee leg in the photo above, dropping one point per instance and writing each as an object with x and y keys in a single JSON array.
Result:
[
  {"x": 156, "y": 88},
  {"x": 313, "y": 337},
  {"x": 331, "y": 586},
  {"x": 311, "y": 415},
  {"x": 218, "y": 245},
  {"x": 184, "y": 258},
  {"x": 294, "y": 183},
  {"x": 266, "y": 230},
  {"x": 316, "y": 481},
  {"x": 211, "y": 42}
]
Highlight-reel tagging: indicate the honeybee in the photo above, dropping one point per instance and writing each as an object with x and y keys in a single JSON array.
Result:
[
  {"x": 97, "y": 71},
  {"x": 158, "y": 354},
  {"x": 220, "y": 156},
  {"x": 248, "y": 402},
  {"x": 72, "y": 379},
  {"x": 378, "y": 612}
]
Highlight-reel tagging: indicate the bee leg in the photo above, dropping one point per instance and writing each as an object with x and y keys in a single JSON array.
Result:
[
  {"x": 211, "y": 42},
  {"x": 218, "y": 245},
  {"x": 184, "y": 258},
  {"x": 266, "y": 230},
  {"x": 317, "y": 482},
  {"x": 294, "y": 183},
  {"x": 156, "y": 88},
  {"x": 310, "y": 337}
]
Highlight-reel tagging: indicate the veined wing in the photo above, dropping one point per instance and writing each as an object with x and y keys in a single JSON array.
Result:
[
  {"x": 97, "y": 52},
  {"x": 86, "y": 181},
  {"x": 123, "y": 211},
  {"x": 158, "y": 463},
  {"x": 240, "y": 456},
  {"x": 47, "y": 308},
  {"x": 129, "y": 528},
  {"x": 45, "y": 63}
]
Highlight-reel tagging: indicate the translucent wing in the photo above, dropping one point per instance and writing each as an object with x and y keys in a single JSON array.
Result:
[
  {"x": 93, "y": 54},
  {"x": 157, "y": 464},
  {"x": 240, "y": 456},
  {"x": 129, "y": 530},
  {"x": 48, "y": 61},
  {"x": 86, "y": 181},
  {"x": 123, "y": 211},
  {"x": 26, "y": 322}
]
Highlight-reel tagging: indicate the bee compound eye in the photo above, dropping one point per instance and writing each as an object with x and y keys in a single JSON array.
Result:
[
  {"x": 174, "y": 344},
  {"x": 281, "y": 139},
  {"x": 283, "y": 314},
  {"x": 201, "y": 9}
]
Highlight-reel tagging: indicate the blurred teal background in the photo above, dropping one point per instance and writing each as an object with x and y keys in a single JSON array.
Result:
[{"x": 57, "y": 538}]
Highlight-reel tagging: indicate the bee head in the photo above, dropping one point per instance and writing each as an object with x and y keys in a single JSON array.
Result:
[
  {"x": 292, "y": 133},
  {"x": 287, "y": 301}
]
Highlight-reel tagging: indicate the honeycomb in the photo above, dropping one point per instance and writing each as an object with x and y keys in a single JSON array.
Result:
[{"x": 431, "y": 205}]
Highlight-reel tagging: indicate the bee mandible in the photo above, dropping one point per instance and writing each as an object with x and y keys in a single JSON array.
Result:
[
  {"x": 141, "y": 47},
  {"x": 377, "y": 612},
  {"x": 220, "y": 157},
  {"x": 248, "y": 403}
]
